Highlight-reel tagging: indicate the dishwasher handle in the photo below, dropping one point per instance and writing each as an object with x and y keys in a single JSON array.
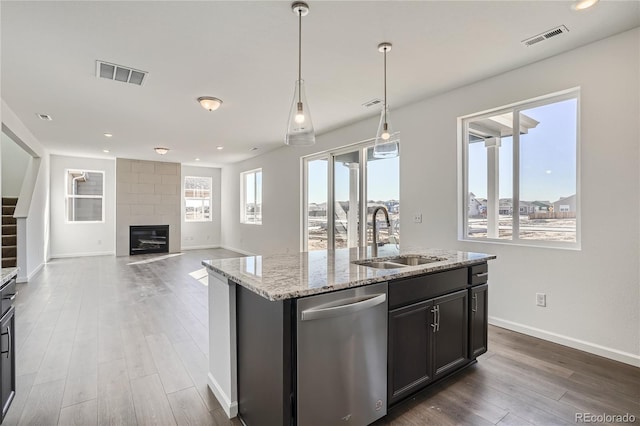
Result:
[{"x": 344, "y": 309}]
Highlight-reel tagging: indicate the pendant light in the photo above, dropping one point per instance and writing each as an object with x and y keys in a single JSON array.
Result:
[
  {"x": 300, "y": 127},
  {"x": 386, "y": 143}
]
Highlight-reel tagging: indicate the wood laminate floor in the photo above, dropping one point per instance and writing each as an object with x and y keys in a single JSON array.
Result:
[{"x": 124, "y": 341}]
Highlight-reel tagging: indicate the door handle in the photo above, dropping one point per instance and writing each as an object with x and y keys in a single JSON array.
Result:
[
  {"x": 434, "y": 311},
  {"x": 436, "y": 318},
  {"x": 9, "y": 348},
  {"x": 343, "y": 309},
  {"x": 475, "y": 303}
]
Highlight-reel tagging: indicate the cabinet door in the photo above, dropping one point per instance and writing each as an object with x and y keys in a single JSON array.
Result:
[
  {"x": 478, "y": 321},
  {"x": 410, "y": 334},
  {"x": 450, "y": 337},
  {"x": 7, "y": 360}
]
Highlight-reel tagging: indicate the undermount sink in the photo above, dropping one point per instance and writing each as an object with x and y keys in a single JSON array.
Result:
[{"x": 398, "y": 261}]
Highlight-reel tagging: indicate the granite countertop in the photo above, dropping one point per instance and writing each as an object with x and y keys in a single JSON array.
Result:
[
  {"x": 289, "y": 276},
  {"x": 7, "y": 274}
]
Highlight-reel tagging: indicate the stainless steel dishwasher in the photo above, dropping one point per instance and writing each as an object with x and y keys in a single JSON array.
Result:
[{"x": 342, "y": 357}]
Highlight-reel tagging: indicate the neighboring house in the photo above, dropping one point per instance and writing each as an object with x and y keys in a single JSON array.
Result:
[
  {"x": 529, "y": 207},
  {"x": 477, "y": 206},
  {"x": 565, "y": 204},
  {"x": 506, "y": 206}
]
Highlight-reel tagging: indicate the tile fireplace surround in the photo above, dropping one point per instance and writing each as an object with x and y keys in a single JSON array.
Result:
[{"x": 147, "y": 193}]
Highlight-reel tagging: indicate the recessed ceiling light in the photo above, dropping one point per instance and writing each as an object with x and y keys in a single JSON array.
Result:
[
  {"x": 160, "y": 150},
  {"x": 219, "y": 148},
  {"x": 108, "y": 135},
  {"x": 45, "y": 117},
  {"x": 106, "y": 151},
  {"x": 209, "y": 102},
  {"x": 197, "y": 159},
  {"x": 584, "y": 4},
  {"x": 253, "y": 149}
]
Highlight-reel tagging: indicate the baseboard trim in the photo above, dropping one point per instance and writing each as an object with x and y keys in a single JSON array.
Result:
[
  {"x": 200, "y": 247},
  {"x": 96, "y": 253},
  {"x": 26, "y": 278},
  {"x": 246, "y": 253},
  {"x": 230, "y": 408},
  {"x": 593, "y": 348}
]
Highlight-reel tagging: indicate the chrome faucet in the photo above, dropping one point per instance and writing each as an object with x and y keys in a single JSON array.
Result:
[{"x": 374, "y": 247}]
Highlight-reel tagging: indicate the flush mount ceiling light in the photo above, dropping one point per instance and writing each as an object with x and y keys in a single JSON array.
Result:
[
  {"x": 108, "y": 135},
  {"x": 160, "y": 150},
  {"x": 106, "y": 151},
  {"x": 300, "y": 127},
  {"x": 219, "y": 148},
  {"x": 386, "y": 143},
  {"x": 209, "y": 102},
  {"x": 583, "y": 4}
]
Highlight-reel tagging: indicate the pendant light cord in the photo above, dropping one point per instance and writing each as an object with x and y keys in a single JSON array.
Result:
[
  {"x": 385, "y": 85},
  {"x": 299, "y": 55}
]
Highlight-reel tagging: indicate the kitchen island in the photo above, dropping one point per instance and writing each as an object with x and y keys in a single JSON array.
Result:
[{"x": 255, "y": 330}]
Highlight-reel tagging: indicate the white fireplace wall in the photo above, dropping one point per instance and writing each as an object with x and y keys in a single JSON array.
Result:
[{"x": 147, "y": 193}]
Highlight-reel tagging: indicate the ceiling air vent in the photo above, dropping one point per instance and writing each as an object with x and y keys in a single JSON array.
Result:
[
  {"x": 120, "y": 73},
  {"x": 545, "y": 35},
  {"x": 372, "y": 102},
  {"x": 45, "y": 117}
]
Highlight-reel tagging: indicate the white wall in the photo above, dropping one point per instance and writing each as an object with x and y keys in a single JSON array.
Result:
[
  {"x": 593, "y": 295},
  {"x": 81, "y": 239},
  {"x": 14, "y": 164},
  {"x": 198, "y": 235},
  {"x": 34, "y": 241}
]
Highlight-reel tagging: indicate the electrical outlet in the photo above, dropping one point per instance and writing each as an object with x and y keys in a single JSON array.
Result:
[
  {"x": 541, "y": 299},
  {"x": 417, "y": 218}
]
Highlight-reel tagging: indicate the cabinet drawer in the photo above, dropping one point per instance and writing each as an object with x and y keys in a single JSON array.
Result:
[
  {"x": 478, "y": 274},
  {"x": 410, "y": 290},
  {"x": 7, "y": 295}
]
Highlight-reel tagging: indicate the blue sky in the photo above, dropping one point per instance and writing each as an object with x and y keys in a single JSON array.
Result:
[
  {"x": 547, "y": 157},
  {"x": 383, "y": 180}
]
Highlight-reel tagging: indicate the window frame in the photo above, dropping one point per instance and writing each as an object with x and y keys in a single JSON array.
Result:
[
  {"x": 463, "y": 171},
  {"x": 210, "y": 198},
  {"x": 243, "y": 196},
  {"x": 330, "y": 155},
  {"x": 68, "y": 196}
]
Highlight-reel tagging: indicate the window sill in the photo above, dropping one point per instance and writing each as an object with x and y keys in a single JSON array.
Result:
[{"x": 533, "y": 244}]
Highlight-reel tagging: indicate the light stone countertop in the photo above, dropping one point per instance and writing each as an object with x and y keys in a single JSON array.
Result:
[
  {"x": 7, "y": 274},
  {"x": 289, "y": 276}
]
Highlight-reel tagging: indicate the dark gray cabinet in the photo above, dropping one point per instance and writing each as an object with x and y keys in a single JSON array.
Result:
[
  {"x": 437, "y": 325},
  {"x": 7, "y": 347},
  {"x": 450, "y": 335},
  {"x": 410, "y": 336},
  {"x": 478, "y": 320}
]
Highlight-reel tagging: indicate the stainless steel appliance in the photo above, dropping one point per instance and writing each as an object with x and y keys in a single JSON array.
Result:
[{"x": 342, "y": 357}]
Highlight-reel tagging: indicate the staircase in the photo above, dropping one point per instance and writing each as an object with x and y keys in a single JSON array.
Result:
[{"x": 9, "y": 232}]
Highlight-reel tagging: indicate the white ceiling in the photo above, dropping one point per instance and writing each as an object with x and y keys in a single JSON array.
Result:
[{"x": 245, "y": 53}]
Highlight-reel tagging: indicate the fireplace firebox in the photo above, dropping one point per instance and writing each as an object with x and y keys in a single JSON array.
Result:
[{"x": 148, "y": 239}]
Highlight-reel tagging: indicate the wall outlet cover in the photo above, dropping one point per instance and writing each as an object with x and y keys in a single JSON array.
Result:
[
  {"x": 417, "y": 218},
  {"x": 541, "y": 299}
]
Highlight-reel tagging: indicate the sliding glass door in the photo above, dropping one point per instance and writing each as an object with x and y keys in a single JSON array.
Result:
[{"x": 337, "y": 211}]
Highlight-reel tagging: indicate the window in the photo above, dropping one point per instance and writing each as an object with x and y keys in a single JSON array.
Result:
[
  {"x": 342, "y": 187},
  {"x": 197, "y": 199},
  {"x": 84, "y": 196},
  {"x": 251, "y": 197},
  {"x": 522, "y": 187}
]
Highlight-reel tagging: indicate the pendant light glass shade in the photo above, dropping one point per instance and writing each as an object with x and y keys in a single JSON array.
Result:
[
  {"x": 300, "y": 127},
  {"x": 386, "y": 143}
]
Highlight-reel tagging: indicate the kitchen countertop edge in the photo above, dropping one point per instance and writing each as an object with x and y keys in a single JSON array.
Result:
[
  {"x": 8, "y": 273},
  {"x": 284, "y": 293}
]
